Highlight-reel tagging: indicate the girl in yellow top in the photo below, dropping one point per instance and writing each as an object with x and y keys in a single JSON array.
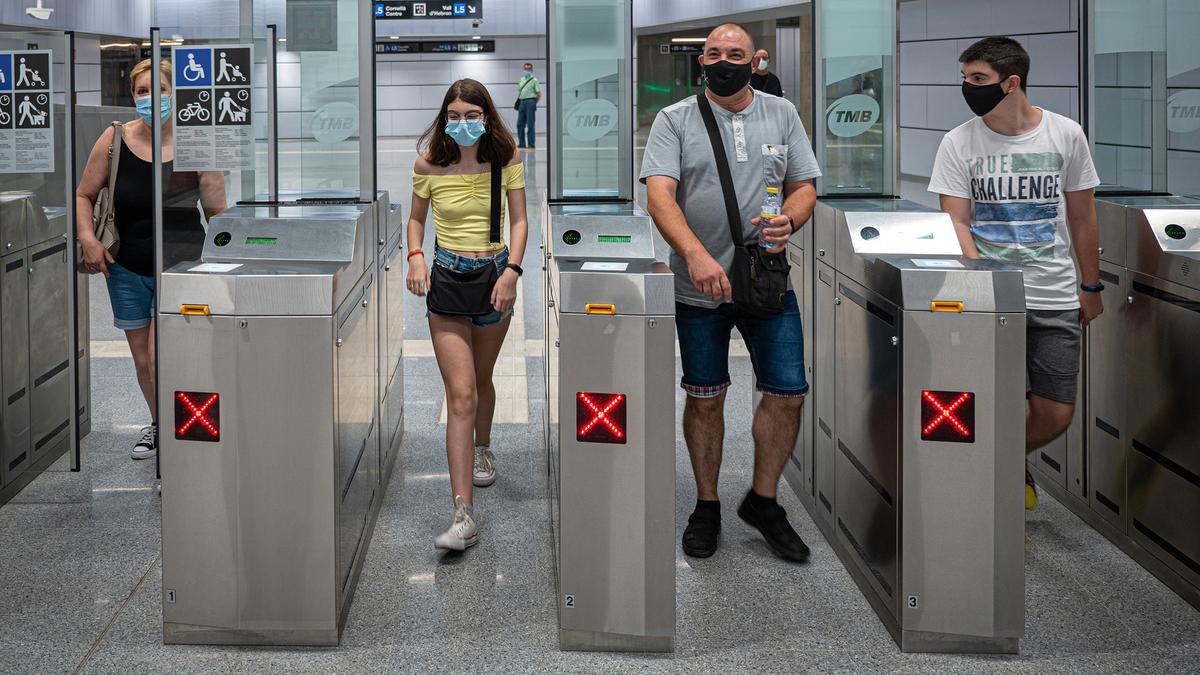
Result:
[{"x": 454, "y": 174}]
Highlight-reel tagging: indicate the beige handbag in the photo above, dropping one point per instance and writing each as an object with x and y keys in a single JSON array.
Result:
[{"x": 103, "y": 218}]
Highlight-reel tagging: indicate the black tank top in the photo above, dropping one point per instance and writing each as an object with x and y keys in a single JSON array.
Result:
[{"x": 133, "y": 207}]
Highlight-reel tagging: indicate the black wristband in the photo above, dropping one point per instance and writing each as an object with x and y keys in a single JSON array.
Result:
[
  {"x": 516, "y": 268},
  {"x": 1091, "y": 288}
]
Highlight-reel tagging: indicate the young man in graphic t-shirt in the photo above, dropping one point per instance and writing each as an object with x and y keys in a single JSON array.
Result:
[{"x": 1018, "y": 183}]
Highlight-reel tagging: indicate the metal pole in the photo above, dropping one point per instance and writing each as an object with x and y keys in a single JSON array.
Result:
[
  {"x": 72, "y": 276},
  {"x": 366, "y": 101},
  {"x": 818, "y": 98},
  {"x": 156, "y": 190},
  {"x": 272, "y": 115}
]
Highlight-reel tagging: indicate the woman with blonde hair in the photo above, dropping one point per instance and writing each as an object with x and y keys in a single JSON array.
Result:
[
  {"x": 129, "y": 273},
  {"x": 469, "y": 170}
]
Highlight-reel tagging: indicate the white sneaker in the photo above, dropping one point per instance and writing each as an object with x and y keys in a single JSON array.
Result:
[
  {"x": 147, "y": 447},
  {"x": 462, "y": 534},
  {"x": 485, "y": 467}
]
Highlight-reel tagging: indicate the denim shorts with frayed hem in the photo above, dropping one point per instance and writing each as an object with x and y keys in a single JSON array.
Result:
[{"x": 132, "y": 298}]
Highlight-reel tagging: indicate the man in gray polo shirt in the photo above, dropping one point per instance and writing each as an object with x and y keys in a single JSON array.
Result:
[{"x": 764, "y": 140}]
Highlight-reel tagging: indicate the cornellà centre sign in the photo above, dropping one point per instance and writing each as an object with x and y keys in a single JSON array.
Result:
[{"x": 422, "y": 9}]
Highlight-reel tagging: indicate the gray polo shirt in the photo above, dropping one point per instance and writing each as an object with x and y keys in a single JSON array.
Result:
[{"x": 765, "y": 139}]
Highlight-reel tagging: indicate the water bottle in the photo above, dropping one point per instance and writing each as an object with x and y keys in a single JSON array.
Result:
[{"x": 772, "y": 207}]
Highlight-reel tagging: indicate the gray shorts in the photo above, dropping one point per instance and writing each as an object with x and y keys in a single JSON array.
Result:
[{"x": 1053, "y": 340}]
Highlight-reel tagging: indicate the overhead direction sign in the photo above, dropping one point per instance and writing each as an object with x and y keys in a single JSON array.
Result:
[{"x": 425, "y": 9}]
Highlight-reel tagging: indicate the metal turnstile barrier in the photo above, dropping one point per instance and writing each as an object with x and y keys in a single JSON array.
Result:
[
  {"x": 280, "y": 387},
  {"x": 610, "y": 427},
  {"x": 1141, "y": 467},
  {"x": 910, "y": 454}
]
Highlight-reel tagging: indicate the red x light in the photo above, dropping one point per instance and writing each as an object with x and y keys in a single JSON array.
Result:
[
  {"x": 948, "y": 416},
  {"x": 600, "y": 418},
  {"x": 197, "y": 416}
]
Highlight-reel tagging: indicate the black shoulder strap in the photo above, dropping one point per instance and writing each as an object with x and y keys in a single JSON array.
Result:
[
  {"x": 496, "y": 202},
  {"x": 732, "y": 212}
]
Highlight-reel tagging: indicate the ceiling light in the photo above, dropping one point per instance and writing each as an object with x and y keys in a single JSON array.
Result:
[{"x": 699, "y": 40}]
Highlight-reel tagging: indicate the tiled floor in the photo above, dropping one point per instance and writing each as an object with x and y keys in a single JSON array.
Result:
[{"x": 81, "y": 577}]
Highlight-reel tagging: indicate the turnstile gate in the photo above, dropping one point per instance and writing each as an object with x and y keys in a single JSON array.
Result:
[
  {"x": 1142, "y": 460},
  {"x": 281, "y": 438},
  {"x": 910, "y": 457},
  {"x": 610, "y": 427}
]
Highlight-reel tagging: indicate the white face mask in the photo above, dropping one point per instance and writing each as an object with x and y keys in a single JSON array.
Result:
[{"x": 762, "y": 65}]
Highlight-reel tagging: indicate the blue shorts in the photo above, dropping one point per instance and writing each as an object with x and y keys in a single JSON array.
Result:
[
  {"x": 463, "y": 264},
  {"x": 776, "y": 347},
  {"x": 132, "y": 298}
]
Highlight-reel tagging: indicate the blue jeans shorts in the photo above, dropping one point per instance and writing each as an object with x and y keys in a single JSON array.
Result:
[
  {"x": 132, "y": 298},
  {"x": 776, "y": 347},
  {"x": 462, "y": 264}
]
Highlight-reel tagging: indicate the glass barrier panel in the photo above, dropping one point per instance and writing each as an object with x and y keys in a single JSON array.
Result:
[
  {"x": 856, "y": 97},
  {"x": 591, "y": 134},
  {"x": 1183, "y": 97},
  {"x": 1129, "y": 82}
]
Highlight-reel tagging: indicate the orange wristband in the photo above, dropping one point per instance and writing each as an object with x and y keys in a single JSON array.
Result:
[{"x": 413, "y": 252}]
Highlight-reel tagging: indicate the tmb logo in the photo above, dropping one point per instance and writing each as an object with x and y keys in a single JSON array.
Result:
[
  {"x": 1183, "y": 112},
  {"x": 851, "y": 115},
  {"x": 591, "y": 119}
]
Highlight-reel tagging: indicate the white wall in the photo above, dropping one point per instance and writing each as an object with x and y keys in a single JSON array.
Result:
[
  {"x": 409, "y": 87},
  {"x": 932, "y": 35},
  {"x": 650, "y": 13},
  {"x": 112, "y": 17},
  {"x": 87, "y": 70}
]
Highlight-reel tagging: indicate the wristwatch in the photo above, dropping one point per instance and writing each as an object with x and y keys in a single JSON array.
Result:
[
  {"x": 1091, "y": 288},
  {"x": 516, "y": 268}
]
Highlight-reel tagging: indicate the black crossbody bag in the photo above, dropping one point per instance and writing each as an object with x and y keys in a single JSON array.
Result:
[
  {"x": 467, "y": 293},
  {"x": 759, "y": 279}
]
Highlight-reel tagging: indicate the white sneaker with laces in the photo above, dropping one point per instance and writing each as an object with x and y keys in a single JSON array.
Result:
[
  {"x": 485, "y": 466},
  {"x": 147, "y": 446},
  {"x": 463, "y": 533}
]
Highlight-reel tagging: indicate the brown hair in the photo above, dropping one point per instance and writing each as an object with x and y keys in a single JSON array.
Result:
[
  {"x": 1005, "y": 55},
  {"x": 495, "y": 147},
  {"x": 164, "y": 69}
]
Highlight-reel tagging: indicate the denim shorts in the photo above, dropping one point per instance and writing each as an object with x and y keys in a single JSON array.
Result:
[
  {"x": 132, "y": 298},
  {"x": 463, "y": 264},
  {"x": 776, "y": 347}
]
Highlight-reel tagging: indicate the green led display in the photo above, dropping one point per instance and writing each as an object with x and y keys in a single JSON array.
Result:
[
  {"x": 614, "y": 238},
  {"x": 262, "y": 241}
]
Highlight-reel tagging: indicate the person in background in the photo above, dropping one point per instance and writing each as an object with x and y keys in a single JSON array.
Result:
[
  {"x": 453, "y": 175},
  {"x": 764, "y": 140},
  {"x": 130, "y": 274},
  {"x": 1019, "y": 183},
  {"x": 763, "y": 79},
  {"x": 529, "y": 92}
]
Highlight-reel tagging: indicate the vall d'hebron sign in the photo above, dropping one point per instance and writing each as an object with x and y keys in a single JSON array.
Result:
[
  {"x": 421, "y": 9},
  {"x": 26, "y": 116},
  {"x": 213, "y": 93}
]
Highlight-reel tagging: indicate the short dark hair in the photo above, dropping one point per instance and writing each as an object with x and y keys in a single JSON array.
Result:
[{"x": 1005, "y": 55}]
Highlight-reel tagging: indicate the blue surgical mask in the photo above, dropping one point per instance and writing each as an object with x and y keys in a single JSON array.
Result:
[
  {"x": 528, "y": 73},
  {"x": 465, "y": 132},
  {"x": 144, "y": 111}
]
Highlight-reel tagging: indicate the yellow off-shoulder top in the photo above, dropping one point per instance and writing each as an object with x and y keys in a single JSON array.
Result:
[{"x": 462, "y": 207}]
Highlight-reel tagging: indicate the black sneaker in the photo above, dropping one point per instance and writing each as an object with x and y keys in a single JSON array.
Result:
[
  {"x": 702, "y": 533},
  {"x": 147, "y": 445},
  {"x": 771, "y": 521}
]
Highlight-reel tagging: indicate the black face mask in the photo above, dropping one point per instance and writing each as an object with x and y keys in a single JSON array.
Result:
[
  {"x": 983, "y": 98},
  {"x": 725, "y": 78}
]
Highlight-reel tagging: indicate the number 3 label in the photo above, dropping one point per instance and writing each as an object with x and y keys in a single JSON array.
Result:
[
  {"x": 912, "y": 601},
  {"x": 569, "y": 601}
]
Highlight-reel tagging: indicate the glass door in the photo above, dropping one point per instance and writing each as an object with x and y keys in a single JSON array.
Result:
[{"x": 38, "y": 343}]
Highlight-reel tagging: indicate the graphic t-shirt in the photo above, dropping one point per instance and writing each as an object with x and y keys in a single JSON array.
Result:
[{"x": 1016, "y": 186}]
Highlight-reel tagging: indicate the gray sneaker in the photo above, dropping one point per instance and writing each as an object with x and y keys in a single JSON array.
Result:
[
  {"x": 147, "y": 447},
  {"x": 485, "y": 466}
]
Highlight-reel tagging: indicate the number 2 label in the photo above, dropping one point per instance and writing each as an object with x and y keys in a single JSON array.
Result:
[{"x": 569, "y": 601}]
